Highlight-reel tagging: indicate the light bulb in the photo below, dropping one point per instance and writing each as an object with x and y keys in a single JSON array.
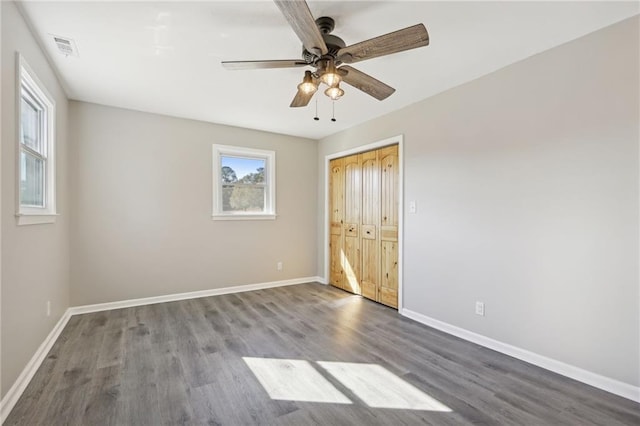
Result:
[
  {"x": 330, "y": 77},
  {"x": 334, "y": 92},
  {"x": 307, "y": 86}
]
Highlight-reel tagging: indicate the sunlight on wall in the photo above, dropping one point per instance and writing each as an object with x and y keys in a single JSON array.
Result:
[
  {"x": 380, "y": 388},
  {"x": 294, "y": 380},
  {"x": 298, "y": 380}
]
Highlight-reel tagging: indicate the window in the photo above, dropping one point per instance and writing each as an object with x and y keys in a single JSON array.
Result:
[
  {"x": 243, "y": 183},
  {"x": 36, "y": 149}
]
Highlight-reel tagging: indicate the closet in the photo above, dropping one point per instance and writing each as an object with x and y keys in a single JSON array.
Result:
[{"x": 363, "y": 240}]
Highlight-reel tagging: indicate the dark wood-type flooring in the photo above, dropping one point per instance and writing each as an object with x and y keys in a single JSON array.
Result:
[{"x": 181, "y": 363}]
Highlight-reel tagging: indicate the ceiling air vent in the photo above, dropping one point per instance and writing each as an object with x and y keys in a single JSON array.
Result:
[{"x": 66, "y": 46}]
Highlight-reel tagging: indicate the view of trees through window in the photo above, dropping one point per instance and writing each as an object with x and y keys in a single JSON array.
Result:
[{"x": 243, "y": 184}]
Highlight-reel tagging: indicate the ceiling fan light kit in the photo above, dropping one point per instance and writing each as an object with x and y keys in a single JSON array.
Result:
[{"x": 328, "y": 54}]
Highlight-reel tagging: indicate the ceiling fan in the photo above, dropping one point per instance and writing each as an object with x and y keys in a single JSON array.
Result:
[{"x": 329, "y": 54}]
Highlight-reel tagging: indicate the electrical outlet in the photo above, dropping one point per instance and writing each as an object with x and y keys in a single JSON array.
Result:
[
  {"x": 480, "y": 308},
  {"x": 279, "y": 266},
  {"x": 413, "y": 207},
  {"x": 48, "y": 308}
]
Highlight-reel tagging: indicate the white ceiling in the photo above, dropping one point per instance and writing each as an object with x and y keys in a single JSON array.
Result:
[{"x": 164, "y": 57}]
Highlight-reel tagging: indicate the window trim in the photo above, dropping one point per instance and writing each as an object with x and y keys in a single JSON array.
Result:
[
  {"x": 31, "y": 215},
  {"x": 270, "y": 182}
]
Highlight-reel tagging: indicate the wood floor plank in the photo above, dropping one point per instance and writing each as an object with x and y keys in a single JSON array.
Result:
[
  {"x": 100, "y": 406},
  {"x": 184, "y": 363}
]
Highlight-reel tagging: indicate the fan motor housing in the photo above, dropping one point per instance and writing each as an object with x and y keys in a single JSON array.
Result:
[{"x": 334, "y": 43}]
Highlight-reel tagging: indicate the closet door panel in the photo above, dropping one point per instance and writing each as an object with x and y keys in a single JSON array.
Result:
[
  {"x": 389, "y": 282},
  {"x": 351, "y": 265},
  {"x": 352, "y": 192},
  {"x": 336, "y": 212},
  {"x": 389, "y": 183},
  {"x": 389, "y": 196},
  {"x": 370, "y": 268},
  {"x": 351, "y": 227},
  {"x": 336, "y": 274},
  {"x": 369, "y": 224}
]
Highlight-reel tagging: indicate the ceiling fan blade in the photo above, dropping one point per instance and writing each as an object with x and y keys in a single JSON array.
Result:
[
  {"x": 252, "y": 65},
  {"x": 397, "y": 41},
  {"x": 301, "y": 99},
  {"x": 365, "y": 82},
  {"x": 299, "y": 16}
]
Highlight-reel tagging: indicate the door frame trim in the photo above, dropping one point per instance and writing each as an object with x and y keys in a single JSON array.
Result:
[{"x": 394, "y": 140}]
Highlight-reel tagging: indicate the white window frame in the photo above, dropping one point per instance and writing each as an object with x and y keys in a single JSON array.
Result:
[
  {"x": 269, "y": 182},
  {"x": 27, "y": 79}
]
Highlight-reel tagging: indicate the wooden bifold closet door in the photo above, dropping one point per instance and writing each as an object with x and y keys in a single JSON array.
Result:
[{"x": 363, "y": 240}]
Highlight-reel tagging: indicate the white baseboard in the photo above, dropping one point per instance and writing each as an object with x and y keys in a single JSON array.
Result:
[
  {"x": 14, "y": 393},
  {"x": 613, "y": 386},
  {"x": 85, "y": 309},
  {"x": 320, "y": 280}
]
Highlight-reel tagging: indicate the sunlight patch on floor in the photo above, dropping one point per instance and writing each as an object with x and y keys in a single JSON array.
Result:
[
  {"x": 294, "y": 380},
  {"x": 380, "y": 388},
  {"x": 298, "y": 380}
]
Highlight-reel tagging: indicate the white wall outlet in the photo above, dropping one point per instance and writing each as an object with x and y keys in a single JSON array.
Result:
[
  {"x": 480, "y": 308},
  {"x": 279, "y": 266},
  {"x": 48, "y": 308},
  {"x": 413, "y": 206}
]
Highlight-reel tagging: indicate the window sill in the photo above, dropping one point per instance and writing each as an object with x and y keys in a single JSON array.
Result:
[
  {"x": 35, "y": 219},
  {"x": 243, "y": 217}
]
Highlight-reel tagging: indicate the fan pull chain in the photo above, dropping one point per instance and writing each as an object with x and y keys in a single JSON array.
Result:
[
  {"x": 316, "y": 117},
  {"x": 333, "y": 111}
]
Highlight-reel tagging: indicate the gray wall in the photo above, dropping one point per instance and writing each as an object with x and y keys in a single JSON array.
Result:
[
  {"x": 142, "y": 208},
  {"x": 526, "y": 182},
  {"x": 35, "y": 258}
]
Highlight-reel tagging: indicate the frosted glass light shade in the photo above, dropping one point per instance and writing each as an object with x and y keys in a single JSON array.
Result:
[{"x": 334, "y": 93}]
